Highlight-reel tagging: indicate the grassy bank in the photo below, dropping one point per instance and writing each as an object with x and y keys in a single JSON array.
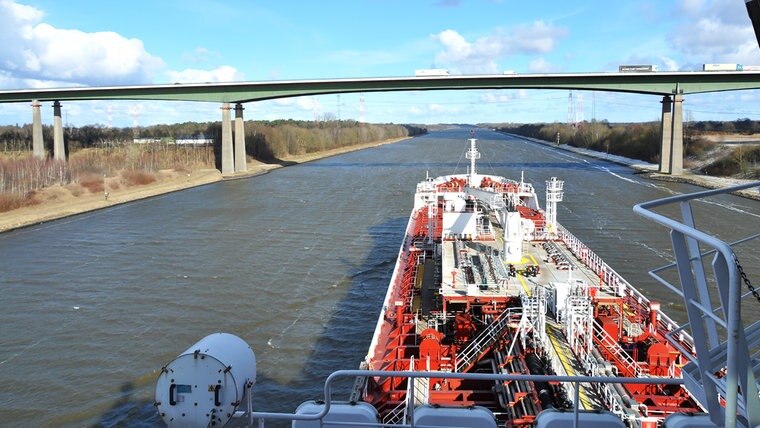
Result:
[
  {"x": 105, "y": 160},
  {"x": 642, "y": 141}
]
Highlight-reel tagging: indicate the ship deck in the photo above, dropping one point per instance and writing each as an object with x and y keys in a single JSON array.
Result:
[
  {"x": 556, "y": 264},
  {"x": 492, "y": 281}
]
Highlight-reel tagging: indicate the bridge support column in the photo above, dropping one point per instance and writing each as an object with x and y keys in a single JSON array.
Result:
[
  {"x": 38, "y": 145},
  {"x": 227, "y": 166},
  {"x": 240, "y": 158},
  {"x": 59, "y": 150},
  {"x": 667, "y": 134},
  {"x": 676, "y": 153}
]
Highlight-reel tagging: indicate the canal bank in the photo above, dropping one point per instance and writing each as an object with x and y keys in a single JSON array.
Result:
[
  {"x": 649, "y": 170},
  {"x": 58, "y": 202}
]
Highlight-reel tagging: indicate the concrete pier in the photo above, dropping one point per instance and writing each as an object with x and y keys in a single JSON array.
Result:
[
  {"x": 240, "y": 157},
  {"x": 676, "y": 153},
  {"x": 38, "y": 144},
  {"x": 59, "y": 150},
  {"x": 667, "y": 133},
  {"x": 227, "y": 161}
]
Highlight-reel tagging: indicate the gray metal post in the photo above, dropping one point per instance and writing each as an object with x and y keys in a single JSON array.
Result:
[
  {"x": 240, "y": 158},
  {"x": 227, "y": 166},
  {"x": 59, "y": 151},
  {"x": 667, "y": 134},
  {"x": 38, "y": 145},
  {"x": 676, "y": 153}
]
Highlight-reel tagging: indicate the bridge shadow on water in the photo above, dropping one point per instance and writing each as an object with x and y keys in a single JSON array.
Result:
[{"x": 342, "y": 344}]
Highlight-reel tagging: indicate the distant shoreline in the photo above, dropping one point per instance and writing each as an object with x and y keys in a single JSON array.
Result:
[
  {"x": 169, "y": 182},
  {"x": 649, "y": 170},
  {"x": 61, "y": 204}
]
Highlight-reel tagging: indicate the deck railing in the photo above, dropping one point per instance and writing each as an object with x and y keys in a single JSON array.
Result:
[
  {"x": 724, "y": 373},
  {"x": 260, "y": 418}
]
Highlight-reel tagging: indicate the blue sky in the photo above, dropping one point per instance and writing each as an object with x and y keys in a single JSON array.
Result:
[{"x": 52, "y": 43}]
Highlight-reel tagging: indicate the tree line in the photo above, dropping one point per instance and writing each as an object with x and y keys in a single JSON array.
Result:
[
  {"x": 265, "y": 140},
  {"x": 95, "y": 151},
  {"x": 642, "y": 141}
]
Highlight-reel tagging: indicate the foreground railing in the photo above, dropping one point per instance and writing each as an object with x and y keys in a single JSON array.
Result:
[
  {"x": 724, "y": 374},
  {"x": 260, "y": 418}
]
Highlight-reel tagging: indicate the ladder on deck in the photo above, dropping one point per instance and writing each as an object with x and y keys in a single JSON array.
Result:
[
  {"x": 631, "y": 367},
  {"x": 533, "y": 318},
  {"x": 469, "y": 355}
]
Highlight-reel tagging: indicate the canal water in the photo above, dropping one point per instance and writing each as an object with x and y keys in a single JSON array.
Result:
[{"x": 296, "y": 262}]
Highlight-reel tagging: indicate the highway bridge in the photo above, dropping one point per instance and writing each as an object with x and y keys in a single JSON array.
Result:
[{"x": 670, "y": 86}]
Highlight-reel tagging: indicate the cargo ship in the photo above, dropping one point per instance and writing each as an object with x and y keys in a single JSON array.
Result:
[
  {"x": 497, "y": 316},
  {"x": 487, "y": 281}
]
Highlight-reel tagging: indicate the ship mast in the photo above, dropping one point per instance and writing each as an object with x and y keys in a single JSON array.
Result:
[
  {"x": 472, "y": 155},
  {"x": 553, "y": 195}
]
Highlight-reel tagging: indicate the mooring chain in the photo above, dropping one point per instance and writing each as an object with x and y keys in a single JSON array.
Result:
[{"x": 746, "y": 280}]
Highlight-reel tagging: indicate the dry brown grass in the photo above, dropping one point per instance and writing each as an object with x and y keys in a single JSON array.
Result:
[
  {"x": 94, "y": 183},
  {"x": 52, "y": 193},
  {"x": 75, "y": 189},
  {"x": 137, "y": 178},
  {"x": 113, "y": 184},
  {"x": 11, "y": 201}
]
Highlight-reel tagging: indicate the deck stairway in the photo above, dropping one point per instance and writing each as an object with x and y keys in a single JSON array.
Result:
[
  {"x": 485, "y": 340},
  {"x": 417, "y": 394},
  {"x": 615, "y": 352}
]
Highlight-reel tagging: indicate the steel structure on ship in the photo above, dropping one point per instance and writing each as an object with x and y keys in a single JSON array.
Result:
[{"x": 463, "y": 298}]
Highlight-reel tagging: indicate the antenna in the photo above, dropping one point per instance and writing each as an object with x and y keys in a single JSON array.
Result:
[
  {"x": 361, "y": 108},
  {"x": 134, "y": 111},
  {"x": 570, "y": 109}
]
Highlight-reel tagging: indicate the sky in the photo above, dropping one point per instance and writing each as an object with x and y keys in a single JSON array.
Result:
[{"x": 53, "y": 43}]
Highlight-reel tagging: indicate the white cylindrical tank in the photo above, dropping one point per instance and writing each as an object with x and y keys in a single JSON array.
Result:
[{"x": 204, "y": 385}]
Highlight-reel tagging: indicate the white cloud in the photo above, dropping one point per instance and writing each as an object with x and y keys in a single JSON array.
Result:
[
  {"x": 416, "y": 111},
  {"x": 309, "y": 104},
  {"x": 540, "y": 65},
  {"x": 302, "y": 108},
  {"x": 716, "y": 31},
  {"x": 37, "y": 51},
  {"x": 538, "y": 37},
  {"x": 438, "y": 108},
  {"x": 224, "y": 73},
  {"x": 480, "y": 56},
  {"x": 669, "y": 64},
  {"x": 503, "y": 96},
  {"x": 691, "y": 7}
]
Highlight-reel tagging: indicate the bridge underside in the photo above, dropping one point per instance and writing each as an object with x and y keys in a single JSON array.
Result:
[
  {"x": 233, "y": 158},
  {"x": 671, "y": 86}
]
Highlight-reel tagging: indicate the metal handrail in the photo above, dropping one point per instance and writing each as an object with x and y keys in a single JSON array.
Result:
[
  {"x": 333, "y": 378},
  {"x": 686, "y": 239}
]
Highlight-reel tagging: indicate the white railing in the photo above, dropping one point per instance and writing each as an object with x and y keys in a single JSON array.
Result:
[
  {"x": 253, "y": 417},
  {"x": 722, "y": 375},
  {"x": 611, "y": 345}
]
